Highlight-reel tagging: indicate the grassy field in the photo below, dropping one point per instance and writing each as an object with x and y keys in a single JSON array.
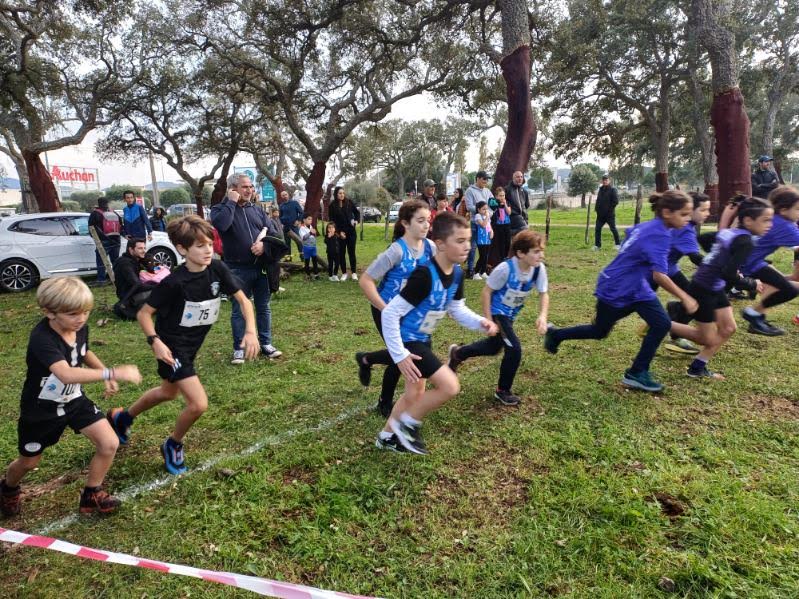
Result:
[{"x": 585, "y": 490}]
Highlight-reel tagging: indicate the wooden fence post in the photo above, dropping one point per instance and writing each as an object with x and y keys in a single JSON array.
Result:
[
  {"x": 588, "y": 218},
  {"x": 549, "y": 210},
  {"x": 638, "y": 199}
]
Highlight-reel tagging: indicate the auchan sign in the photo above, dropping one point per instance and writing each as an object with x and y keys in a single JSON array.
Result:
[{"x": 76, "y": 176}]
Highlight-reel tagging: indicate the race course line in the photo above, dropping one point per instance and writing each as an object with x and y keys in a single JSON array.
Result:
[
  {"x": 261, "y": 586},
  {"x": 137, "y": 490}
]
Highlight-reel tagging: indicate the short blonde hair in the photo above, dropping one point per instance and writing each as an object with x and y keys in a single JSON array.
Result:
[{"x": 64, "y": 294}]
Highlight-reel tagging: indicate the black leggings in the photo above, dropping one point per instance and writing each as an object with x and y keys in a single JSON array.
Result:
[
  {"x": 491, "y": 346},
  {"x": 482, "y": 260},
  {"x": 785, "y": 289},
  {"x": 308, "y": 265},
  {"x": 332, "y": 264},
  {"x": 392, "y": 374},
  {"x": 347, "y": 246}
]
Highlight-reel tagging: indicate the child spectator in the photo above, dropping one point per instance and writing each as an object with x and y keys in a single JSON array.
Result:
[
  {"x": 484, "y": 236},
  {"x": 308, "y": 236},
  {"x": 333, "y": 250}
]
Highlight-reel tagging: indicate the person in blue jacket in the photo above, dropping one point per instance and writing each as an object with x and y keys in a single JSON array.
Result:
[
  {"x": 135, "y": 223},
  {"x": 624, "y": 287},
  {"x": 290, "y": 217}
]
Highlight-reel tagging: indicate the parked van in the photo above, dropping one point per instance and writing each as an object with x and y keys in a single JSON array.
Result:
[{"x": 393, "y": 214}]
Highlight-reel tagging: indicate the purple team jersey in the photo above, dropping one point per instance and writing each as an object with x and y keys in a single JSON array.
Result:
[
  {"x": 683, "y": 243},
  {"x": 626, "y": 280},
  {"x": 783, "y": 234}
]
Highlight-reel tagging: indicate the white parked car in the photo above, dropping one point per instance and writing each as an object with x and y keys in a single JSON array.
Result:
[{"x": 40, "y": 246}]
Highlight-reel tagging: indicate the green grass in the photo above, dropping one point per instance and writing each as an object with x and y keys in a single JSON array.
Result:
[
  {"x": 555, "y": 498},
  {"x": 625, "y": 215}
]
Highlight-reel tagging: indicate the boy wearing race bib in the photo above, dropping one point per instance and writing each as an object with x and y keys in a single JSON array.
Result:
[
  {"x": 433, "y": 290},
  {"x": 503, "y": 298},
  {"x": 53, "y": 398},
  {"x": 186, "y": 304}
]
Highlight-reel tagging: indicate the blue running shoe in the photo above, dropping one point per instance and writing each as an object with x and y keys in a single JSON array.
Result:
[
  {"x": 641, "y": 380},
  {"x": 120, "y": 421},
  {"x": 173, "y": 457}
]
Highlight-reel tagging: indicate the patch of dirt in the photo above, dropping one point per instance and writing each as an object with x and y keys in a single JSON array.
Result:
[
  {"x": 33, "y": 491},
  {"x": 297, "y": 474},
  {"x": 772, "y": 407},
  {"x": 669, "y": 505},
  {"x": 630, "y": 467}
]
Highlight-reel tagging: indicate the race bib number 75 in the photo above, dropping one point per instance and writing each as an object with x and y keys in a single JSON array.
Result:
[{"x": 196, "y": 314}]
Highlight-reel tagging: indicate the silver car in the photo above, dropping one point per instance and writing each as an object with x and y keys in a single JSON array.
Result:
[{"x": 40, "y": 246}]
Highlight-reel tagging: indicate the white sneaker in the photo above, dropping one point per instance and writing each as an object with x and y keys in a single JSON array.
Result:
[
  {"x": 595, "y": 248},
  {"x": 618, "y": 247},
  {"x": 281, "y": 289},
  {"x": 477, "y": 277},
  {"x": 270, "y": 351},
  {"x": 334, "y": 278},
  {"x": 238, "y": 356},
  {"x": 343, "y": 277},
  {"x": 354, "y": 276}
]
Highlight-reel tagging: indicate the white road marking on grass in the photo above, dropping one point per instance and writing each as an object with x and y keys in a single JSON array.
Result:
[{"x": 140, "y": 489}]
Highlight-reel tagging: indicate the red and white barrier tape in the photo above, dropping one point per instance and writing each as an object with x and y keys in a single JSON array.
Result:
[{"x": 261, "y": 586}]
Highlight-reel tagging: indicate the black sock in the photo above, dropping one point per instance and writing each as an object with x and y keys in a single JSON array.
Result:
[
  {"x": 698, "y": 364},
  {"x": 90, "y": 490},
  {"x": 7, "y": 489}
]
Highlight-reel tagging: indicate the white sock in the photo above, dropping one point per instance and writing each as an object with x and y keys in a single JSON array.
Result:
[
  {"x": 383, "y": 435},
  {"x": 406, "y": 418}
]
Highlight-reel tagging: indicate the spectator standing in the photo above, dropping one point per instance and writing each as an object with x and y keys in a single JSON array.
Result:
[
  {"x": 239, "y": 222},
  {"x": 474, "y": 193},
  {"x": 290, "y": 218},
  {"x": 134, "y": 218},
  {"x": 764, "y": 179},
  {"x": 429, "y": 194},
  {"x": 344, "y": 213},
  {"x": 108, "y": 226},
  {"x": 332, "y": 240},
  {"x": 158, "y": 219},
  {"x": 501, "y": 221},
  {"x": 518, "y": 201},
  {"x": 607, "y": 198}
]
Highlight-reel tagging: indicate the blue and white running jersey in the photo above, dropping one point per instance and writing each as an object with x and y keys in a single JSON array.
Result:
[
  {"x": 419, "y": 323},
  {"x": 509, "y": 300},
  {"x": 394, "y": 280}
]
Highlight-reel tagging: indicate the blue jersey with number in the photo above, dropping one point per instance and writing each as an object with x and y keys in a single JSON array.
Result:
[
  {"x": 509, "y": 300},
  {"x": 395, "y": 279},
  {"x": 419, "y": 323}
]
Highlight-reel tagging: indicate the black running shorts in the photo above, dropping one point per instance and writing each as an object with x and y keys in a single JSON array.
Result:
[
  {"x": 35, "y": 435},
  {"x": 429, "y": 363}
]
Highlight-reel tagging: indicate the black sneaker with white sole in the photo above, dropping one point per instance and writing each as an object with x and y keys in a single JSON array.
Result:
[
  {"x": 758, "y": 325},
  {"x": 506, "y": 398},
  {"x": 454, "y": 361},
  {"x": 390, "y": 444},
  {"x": 409, "y": 436}
]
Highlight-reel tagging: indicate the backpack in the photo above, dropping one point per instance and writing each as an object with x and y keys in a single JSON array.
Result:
[{"x": 111, "y": 224}]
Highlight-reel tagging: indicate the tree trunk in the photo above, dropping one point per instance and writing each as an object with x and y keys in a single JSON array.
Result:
[
  {"x": 28, "y": 201},
  {"x": 731, "y": 124},
  {"x": 41, "y": 184},
  {"x": 521, "y": 137},
  {"x": 198, "y": 201},
  {"x": 313, "y": 190},
  {"x": 661, "y": 140},
  {"x": 727, "y": 113},
  {"x": 661, "y": 182},
  {"x": 582, "y": 200}
]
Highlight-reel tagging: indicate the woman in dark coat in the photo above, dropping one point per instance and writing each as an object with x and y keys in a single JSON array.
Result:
[
  {"x": 345, "y": 214},
  {"x": 158, "y": 219}
]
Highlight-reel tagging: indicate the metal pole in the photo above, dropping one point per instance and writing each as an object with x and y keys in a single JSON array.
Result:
[{"x": 156, "y": 201}]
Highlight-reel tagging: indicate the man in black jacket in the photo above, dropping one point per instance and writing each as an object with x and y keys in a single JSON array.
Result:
[
  {"x": 132, "y": 293},
  {"x": 518, "y": 201},
  {"x": 763, "y": 179},
  {"x": 606, "y": 200},
  {"x": 108, "y": 225}
]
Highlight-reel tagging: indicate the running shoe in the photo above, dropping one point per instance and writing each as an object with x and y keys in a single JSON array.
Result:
[
  {"x": 238, "y": 356},
  {"x": 736, "y": 294},
  {"x": 98, "y": 501},
  {"x": 355, "y": 276},
  {"x": 454, "y": 361},
  {"x": 506, "y": 398},
  {"x": 343, "y": 277},
  {"x": 704, "y": 373},
  {"x": 409, "y": 436},
  {"x": 391, "y": 444},
  {"x": 477, "y": 277},
  {"x": 758, "y": 325},
  {"x": 681, "y": 346},
  {"x": 364, "y": 370},
  {"x": 641, "y": 380},
  {"x": 116, "y": 419},
  {"x": 270, "y": 351},
  {"x": 333, "y": 278},
  {"x": 10, "y": 499},
  {"x": 173, "y": 457},
  {"x": 550, "y": 343}
]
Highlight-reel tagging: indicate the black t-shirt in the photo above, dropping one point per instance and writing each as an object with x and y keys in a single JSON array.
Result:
[
  {"x": 45, "y": 348},
  {"x": 187, "y": 304},
  {"x": 420, "y": 284}
]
